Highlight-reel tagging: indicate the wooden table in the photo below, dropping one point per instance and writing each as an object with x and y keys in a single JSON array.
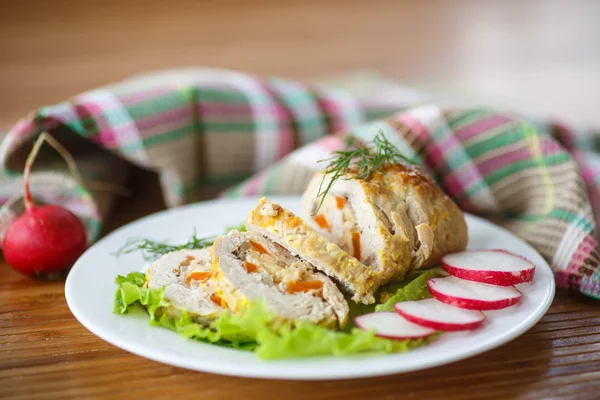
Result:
[{"x": 544, "y": 59}]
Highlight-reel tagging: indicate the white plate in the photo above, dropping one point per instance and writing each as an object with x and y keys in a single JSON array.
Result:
[{"x": 89, "y": 291}]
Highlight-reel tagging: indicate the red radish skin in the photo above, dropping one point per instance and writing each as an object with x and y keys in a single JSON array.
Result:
[
  {"x": 472, "y": 295},
  {"x": 434, "y": 314},
  {"x": 43, "y": 240},
  {"x": 389, "y": 325},
  {"x": 496, "y": 267}
]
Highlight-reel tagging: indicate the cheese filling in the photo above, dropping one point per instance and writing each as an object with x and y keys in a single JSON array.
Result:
[{"x": 290, "y": 277}]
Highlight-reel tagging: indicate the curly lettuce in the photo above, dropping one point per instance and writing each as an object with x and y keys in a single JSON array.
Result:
[
  {"x": 259, "y": 331},
  {"x": 415, "y": 289}
]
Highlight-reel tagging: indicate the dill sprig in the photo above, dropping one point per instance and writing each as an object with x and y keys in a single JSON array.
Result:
[
  {"x": 363, "y": 159},
  {"x": 151, "y": 249}
]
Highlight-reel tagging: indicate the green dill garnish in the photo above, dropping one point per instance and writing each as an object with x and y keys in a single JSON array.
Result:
[
  {"x": 363, "y": 159},
  {"x": 152, "y": 250}
]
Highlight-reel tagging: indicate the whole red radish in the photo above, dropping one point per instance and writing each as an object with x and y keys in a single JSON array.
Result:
[{"x": 45, "y": 239}]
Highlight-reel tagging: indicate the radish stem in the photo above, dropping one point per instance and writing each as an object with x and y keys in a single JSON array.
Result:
[
  {"x": 71, "y": 164},
  {"x": 60, "y": 149}
]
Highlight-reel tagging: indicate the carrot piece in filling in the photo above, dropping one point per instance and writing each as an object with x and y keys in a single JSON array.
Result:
[
  {"x": 249, "y": 267},
  {"x": 198, "y": 276},
  {"x": 215, "y": 299},
  {"x": 321, "y": 221},
  {"x": 297, "y": 287},
  {"x": 340, "y": 202},
  {"x": 258, "y": 247},
  {"x": 356, "y": 244}
]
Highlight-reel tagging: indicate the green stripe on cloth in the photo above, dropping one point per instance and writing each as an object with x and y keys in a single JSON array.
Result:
[
  {"x": 272, "y": 180},
  {"x": 518, "y": 166},
  {"x": 50, "y": 111},
  {"x": 462, "y": 119},
  {"x": 157, "y": 140},
  {"x": 558, "y": 213},
  {"x": 159, "y": 104},
  {"x": 503, "y": 137}
]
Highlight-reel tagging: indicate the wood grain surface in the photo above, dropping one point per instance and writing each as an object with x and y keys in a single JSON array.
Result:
[{"x": 539, "y": 55}]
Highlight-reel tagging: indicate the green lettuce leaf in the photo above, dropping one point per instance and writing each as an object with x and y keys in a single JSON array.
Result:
[
  {"x": 240, "y": 228},
  {"x": 415, "y": 289},
  {"x": 304, "y": 339},
  {"x": 130, "y": 290},
  {"x": 257, "y": 330},
  {"x": 137, "y": 278}
]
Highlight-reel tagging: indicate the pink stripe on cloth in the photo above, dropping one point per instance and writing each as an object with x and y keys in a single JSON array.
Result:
[
  {"x": 486, "y": 124},
  {"x": 24, "y": 127},
  {"x": 583, "y": 251},
  {"x": 253, "y": 185},
  {"x": 435, "y": 157},
  {"x": 449, "y": 144},
  {"x": 165, "y": 117},
  {"x": 284, "y": 120},
  {"x": 453, "y": 183},
  {"x": 224, "y": 109},
  {"x": 331, "y": 109},
  {"x": 590, "y": 173},
  {"x": 144, "y": 95},
  {"x": 331, "y": 143},
  {"x": 29, "y": 127},
  {"x": 562, "y": 278},
  {"x": 468, "y": 177},
  {"x": 548, "y": 147},
  {"x": 106, "y": 136}
]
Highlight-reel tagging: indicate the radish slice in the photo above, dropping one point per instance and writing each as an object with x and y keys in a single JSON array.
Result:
[
  {"x": 390, "y": 325},
  {"x": 439, "y": 316},
  {"x": 498, "y": 267},
  {"x": 472, "y": 295}
]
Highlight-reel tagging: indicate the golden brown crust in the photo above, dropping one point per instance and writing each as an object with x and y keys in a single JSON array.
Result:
[
  {"x": 406, "y": 198},
  {"x": 292, "y": 232},
  {"x": 435, "y": 208}
]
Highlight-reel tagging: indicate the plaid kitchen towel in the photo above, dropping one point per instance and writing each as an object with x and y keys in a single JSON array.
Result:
[{"x": 205, "y": 129}]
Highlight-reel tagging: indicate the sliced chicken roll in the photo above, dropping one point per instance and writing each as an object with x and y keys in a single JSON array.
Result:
[
  {"x": 246, "y": 267},
  {"x": 396, "y": 220},
  {"x": 281, "y": 226},
  {"x": 185, "y": 274}
]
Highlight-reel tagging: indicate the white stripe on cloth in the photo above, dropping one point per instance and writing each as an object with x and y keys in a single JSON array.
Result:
[
  {"x": 432, "y": 117},
  {"x": 367, "y": 132},
  {"x": 264, "y": 116},
  {"x": 26, "y": 128},
  {"x": 351, "y": 111},
  {"x": 571, "y": 239},
  {"x": 304, "y": 109},
  {"x": 308, "y": 156},
  {"x": 119, "y": 121}
]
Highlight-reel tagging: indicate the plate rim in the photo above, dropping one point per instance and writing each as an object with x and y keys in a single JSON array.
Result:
[{"x": 140, "y": 350}]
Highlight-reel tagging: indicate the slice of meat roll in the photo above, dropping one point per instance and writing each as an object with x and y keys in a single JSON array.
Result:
[
  {"x": 396, "y": 220},
  {"x": 247, "y": 267},
  {"x": 185, "y": 274},
  {"x": 281, "y": 226}
]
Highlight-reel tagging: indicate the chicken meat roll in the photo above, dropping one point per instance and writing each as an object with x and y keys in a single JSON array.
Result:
[
  {"x": 246, "y": 267},
  {"x": 396, "y": 220},
  {"x": 185, "y": 274},
  {"x": 281, "y": 226}
]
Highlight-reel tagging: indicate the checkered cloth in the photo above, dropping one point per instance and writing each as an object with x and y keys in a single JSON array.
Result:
[{"x": 204, "y": 130}]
